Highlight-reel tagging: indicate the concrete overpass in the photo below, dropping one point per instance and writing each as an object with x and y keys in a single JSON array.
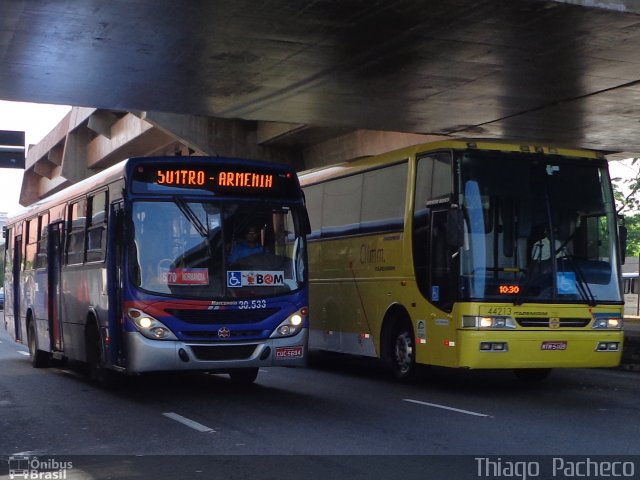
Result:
[{"x": 316, "y": 81}]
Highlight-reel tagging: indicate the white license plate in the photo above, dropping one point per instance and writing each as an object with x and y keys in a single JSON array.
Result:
[
  {"x": 554, "y": 346},
  {"x": 289, "y": 352}
]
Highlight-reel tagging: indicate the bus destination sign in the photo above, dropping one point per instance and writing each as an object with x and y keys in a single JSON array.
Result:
[
  {"x": 200, "y": 178},
  {"x": 220, "y": 179}
]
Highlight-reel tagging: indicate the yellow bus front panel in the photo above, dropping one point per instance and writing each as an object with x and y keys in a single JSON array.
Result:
[{"x": 539, "y": 349}]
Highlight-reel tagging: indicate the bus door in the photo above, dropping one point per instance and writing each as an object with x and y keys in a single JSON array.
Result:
[
  {"x": 441, "y": 262},
  {"x": 54, "y": 259},
  {"x": 442, "y": 291},
  {"x": 17, "y": 263},
  {"x": 116, "y": 240}
]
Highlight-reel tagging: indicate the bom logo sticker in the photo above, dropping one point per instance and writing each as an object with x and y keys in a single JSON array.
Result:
[{"x": 244, "y": 278}]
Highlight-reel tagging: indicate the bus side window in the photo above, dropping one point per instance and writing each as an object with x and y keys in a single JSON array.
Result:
[
  {"x": 31, "y": 244},
  {"x": 97, "y": 226},
  {"x": 75, "y": 233},
  {"x": 41, "y": 256}
]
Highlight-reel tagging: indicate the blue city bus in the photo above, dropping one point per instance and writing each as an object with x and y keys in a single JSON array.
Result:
[{"x": 130, "y": 270}]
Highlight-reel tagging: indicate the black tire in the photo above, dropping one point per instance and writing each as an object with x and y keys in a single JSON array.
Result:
[
  {"x": 39, "y": 358},
  {"x": 98, "y": 373},
  {"x": 244, "y": 376},
  {"x": 532, "y": 375},
  {"x": 402, "y": 353}
]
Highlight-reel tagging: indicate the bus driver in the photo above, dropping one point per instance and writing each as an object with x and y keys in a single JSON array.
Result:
[{"x": 249, "y": 245}]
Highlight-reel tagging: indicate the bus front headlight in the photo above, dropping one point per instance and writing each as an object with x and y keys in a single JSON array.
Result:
[
  {"x": 292, "y": 325},
  {"x": 490, "y": 322},
  {"x": 611, "y": 323},
  {"x": 149, "y": 326}
]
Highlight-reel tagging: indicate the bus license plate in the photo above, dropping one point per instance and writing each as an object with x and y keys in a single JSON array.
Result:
[
  {"x": 289, "y": 352},
  {"x": 554, "y": 345}
]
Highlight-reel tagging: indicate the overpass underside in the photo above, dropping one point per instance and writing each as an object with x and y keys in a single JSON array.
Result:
[{"x": 88, "y": 140}]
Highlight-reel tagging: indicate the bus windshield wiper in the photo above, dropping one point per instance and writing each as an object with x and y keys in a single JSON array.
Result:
[
  {"x": 581, "y": 282},
  {"x": 191, "y": 216}
]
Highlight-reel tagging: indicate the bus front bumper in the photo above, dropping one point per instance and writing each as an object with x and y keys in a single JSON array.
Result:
[
  {"x": 539, "y": 349},
  {"x": 146, "y": 355}
]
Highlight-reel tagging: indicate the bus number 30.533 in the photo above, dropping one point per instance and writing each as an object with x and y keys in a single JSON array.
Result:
[{"x": 252, "y": 304}]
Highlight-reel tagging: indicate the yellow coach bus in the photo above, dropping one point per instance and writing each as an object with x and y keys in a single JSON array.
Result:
[{"x": 476, "y": 254}]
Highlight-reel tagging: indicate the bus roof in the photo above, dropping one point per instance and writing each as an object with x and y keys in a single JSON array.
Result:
[
  {"x": 119, "y": 170},
  {"x": 319, "y": 174}
]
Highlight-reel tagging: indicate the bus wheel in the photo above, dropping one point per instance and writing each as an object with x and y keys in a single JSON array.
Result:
[
  {"x": 244, "y": 376},
  {"x": 39, "y": 358},
  {"x": 532, "y": 375},
  {"x": 402, "y": 349},
  {"x": 104, "y": 377}
]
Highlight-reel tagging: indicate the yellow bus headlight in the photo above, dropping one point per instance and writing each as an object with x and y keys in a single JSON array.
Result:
[{"x": 488, "y": 322}]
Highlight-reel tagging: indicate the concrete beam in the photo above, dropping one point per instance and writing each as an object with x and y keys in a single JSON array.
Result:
[
  {"x": 269, "y": 132},
  {"x": 128, "y": 137},
  {"x": 361, "y": 143}
]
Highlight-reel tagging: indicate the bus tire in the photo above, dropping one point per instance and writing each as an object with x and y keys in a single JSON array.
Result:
[
  {"x": 39, "y": 358},
  {"x": 402, "y": 352},
  {"x": 98, "y": 373},
  {"x": 532, "y": 375},
  {"x": 244, "y": 376}
]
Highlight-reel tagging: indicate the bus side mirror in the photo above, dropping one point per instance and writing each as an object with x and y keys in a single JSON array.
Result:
[
  {"x": 304, "y": 223},
  {"x": 455, "y": 227},
  {"x": 622, "y": 236}
]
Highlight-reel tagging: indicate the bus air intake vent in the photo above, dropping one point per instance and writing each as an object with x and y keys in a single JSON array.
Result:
[{"x": 235, "y": 352}]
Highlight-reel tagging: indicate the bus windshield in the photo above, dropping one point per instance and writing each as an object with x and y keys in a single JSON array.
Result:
[
  {"x": 216, "y": 250},
  {"x": 537, "y": 229}
]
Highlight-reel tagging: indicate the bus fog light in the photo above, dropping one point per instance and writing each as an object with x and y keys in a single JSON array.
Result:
[
  {"x": 608, "y": 346},
  {"x": 494, "y": 347}
]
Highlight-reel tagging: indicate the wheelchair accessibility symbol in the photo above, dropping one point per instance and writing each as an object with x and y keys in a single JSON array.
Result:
[{"x": 234, "y": 279}]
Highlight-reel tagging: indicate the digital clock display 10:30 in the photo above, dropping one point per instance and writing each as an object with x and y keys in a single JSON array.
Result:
[{"x": 508, "y": 289}]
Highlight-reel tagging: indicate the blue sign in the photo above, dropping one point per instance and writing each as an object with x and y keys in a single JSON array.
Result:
[
  {"x": 435, "y": 293},
  {"x": 234, "y": 279},
  {"x": 566, "y": 282}
]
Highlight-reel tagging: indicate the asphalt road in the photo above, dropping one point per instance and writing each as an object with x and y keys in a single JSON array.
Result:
[{"x": 338, "y": 406}]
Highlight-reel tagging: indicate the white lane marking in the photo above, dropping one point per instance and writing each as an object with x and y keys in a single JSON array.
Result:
[
  {"x": 22, "y": 352},
  {"x": 444, "y": 407},
  {"x": 189, "y": 423}
]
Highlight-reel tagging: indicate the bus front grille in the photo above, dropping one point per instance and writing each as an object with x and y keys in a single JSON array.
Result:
[
  {"x": 216, "y": 352},
  {"x": 221, "y": 317},
  {"x": 233, "y": 334},
  {"x": 545, "y": 322}
]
